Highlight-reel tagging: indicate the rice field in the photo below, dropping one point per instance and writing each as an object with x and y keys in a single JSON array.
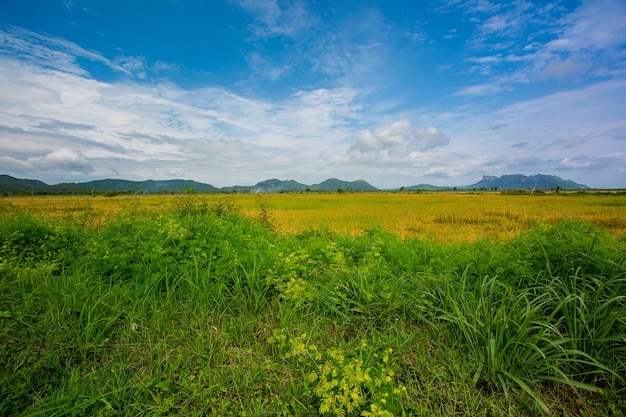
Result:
[{"x": 441, "y": 217}]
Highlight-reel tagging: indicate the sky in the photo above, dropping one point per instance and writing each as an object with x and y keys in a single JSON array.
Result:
[{"x": 233, "y": 92}]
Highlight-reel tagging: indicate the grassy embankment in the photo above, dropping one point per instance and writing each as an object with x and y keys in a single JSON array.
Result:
[{"x": 189, "y": 308}]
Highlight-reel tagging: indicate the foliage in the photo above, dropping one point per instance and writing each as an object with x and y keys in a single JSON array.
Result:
[
  {"x": 197, "y": 309},
  {"x": 344, "y": 385}
]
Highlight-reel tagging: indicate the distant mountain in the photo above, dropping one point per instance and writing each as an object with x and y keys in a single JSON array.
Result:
[
  {"x": 278, "y": 186},
  {"x": 148, "y": 187},
  {"x": 333, "y": 184},
  {"x": 108, "y": 185},
  {"x": 9, "y": 184},
  {"x": 518, "y": 181},
  {"x": 151, "y": 187},
  {"x": 237, "y": 189},
  {"x": 426, "y": 187}
]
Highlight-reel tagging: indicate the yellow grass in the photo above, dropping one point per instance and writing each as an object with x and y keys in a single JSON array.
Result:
[{"x": 442, "y": 217}]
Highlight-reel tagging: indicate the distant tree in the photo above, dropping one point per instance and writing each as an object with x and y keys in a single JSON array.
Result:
[{"x": 340, "y": 190}]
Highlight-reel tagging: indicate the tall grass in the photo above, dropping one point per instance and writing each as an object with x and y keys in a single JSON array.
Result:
[
  {"x": 198, "y": 310},
  {"x": 566, "y": 323}
]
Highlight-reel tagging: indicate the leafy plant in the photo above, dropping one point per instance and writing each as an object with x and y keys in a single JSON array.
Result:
[{"x": 360, "y": 383}]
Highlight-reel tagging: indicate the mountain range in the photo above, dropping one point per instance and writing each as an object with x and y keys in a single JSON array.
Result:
[
  {"x": 522, "y": 182},
  {"x": 9, "y": 184}
]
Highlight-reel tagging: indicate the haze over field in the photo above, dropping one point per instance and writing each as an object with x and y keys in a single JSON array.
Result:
[{"x": 233, "y": 91}]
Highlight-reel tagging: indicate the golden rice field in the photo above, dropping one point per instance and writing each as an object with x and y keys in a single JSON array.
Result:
[{"x": 440, "y": 216}]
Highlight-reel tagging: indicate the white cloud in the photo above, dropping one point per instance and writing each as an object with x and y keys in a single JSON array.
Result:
[
  {"x": 587, "y": 41},
  {"x": 418, "y": 33},
  {"x": 62, "y": 159},
  {"x": 344, "y": 51},
  {"x": 396, "y": 141},
  {"x": 380, "y": 141},
  {"x": 13, "y": 163},
  {"x": 47, "y": 52},
  {"x": 278, "y": 18},
  {"x": 451, "y": 34},
  {"x": 590, "y": 43},
  {"x": 354, "y": 51},
  {"x": 596, "y": 25},
  {"x": 167, "y": 67},
  {"x": 486, "y": 59},
  {"x": 480, "y": 90},
  {"x": 265, "y": 67},
  {"x": 577, "y": 163},
  {"x": 430, "y": 138},
  {"x": 134, "y": 65},
  {"x": 561, "y": 68}
]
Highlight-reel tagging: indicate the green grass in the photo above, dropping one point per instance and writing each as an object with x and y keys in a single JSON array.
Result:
[{"x": 201, "y": 311}]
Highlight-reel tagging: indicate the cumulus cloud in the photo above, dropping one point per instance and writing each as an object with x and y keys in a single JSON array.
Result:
[
  {"x": 61, "y": 159},
  {"x": 429, "y": 138},
  {"x": 394, "y": 141},
  {"x": 384, "y": 138}
]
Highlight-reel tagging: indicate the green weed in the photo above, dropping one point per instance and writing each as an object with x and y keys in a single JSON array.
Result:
[{"x": 194, "y": 309}]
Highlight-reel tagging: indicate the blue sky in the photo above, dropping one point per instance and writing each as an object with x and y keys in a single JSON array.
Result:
[{"x": 237, "y": 91}]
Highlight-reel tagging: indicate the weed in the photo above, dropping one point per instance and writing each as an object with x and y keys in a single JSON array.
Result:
[
  {"x": 198, "y": 308},
  {"x": 361, "y": 383}
]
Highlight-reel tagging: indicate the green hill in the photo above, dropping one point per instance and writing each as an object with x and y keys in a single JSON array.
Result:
[{"x": 334, "y": 184}]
